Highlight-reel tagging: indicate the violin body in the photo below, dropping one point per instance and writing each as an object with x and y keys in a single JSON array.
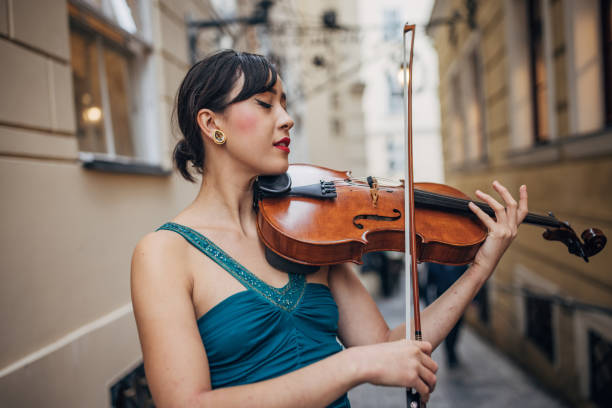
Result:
[
  {"x": 314, "y": 231},
  {"x": 303, "y": 223}
]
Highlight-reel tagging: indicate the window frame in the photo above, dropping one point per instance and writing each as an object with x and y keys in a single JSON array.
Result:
[
  {"x": 523, "y": 277},
  {"x": 576, "y": 121},
  {"x": 606, "y": 47},
  {"x": 583, "y": 322},
  {"x": 546, "y": 42},
  {"x": 579, "y": 143},
  {"x": 146, "y": 138}
]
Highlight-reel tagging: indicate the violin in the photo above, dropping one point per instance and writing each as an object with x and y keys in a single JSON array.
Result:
[{"x": 313, "y": 216}]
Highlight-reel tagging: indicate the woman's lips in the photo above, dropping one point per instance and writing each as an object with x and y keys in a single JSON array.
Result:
[{"x": 283, "y": 144}]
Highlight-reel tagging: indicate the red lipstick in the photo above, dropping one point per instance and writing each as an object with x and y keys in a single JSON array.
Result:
[{"x": 283, "y": 144}]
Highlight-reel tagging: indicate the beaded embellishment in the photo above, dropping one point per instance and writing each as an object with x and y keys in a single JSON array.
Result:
[{"x": 287, "y": 297}]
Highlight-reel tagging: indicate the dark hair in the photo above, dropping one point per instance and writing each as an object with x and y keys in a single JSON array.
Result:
[{"x": 207, "y": 85}]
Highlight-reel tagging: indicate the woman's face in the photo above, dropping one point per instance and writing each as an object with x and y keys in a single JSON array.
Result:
[{"x": 257, "y": 130}]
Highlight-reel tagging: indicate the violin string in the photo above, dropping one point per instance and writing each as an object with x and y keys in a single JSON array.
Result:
[
  {"x": 461, "y": 204},
  {"x": 447, "y": 202},
  {"x": 363, "y": 180}
]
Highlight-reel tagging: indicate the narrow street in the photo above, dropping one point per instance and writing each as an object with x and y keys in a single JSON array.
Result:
[{"x": 484, "y": 378}]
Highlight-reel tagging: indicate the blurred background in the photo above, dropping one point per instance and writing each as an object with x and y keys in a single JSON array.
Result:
[{"x": 514, "y": 90}]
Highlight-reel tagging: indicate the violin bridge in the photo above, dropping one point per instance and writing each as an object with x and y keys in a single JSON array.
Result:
[{"x": 373, "y": 183}]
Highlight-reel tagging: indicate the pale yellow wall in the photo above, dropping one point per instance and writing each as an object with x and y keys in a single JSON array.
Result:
[
  {"x": 572, "y": 179},
  {"x": 68, "y": 233}
]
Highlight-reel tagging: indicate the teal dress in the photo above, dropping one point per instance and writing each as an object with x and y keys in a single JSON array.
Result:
[{"x": 264, "y": 332}]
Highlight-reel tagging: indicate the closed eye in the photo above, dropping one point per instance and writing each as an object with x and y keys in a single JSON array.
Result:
[{"x": 262, "y": 103}]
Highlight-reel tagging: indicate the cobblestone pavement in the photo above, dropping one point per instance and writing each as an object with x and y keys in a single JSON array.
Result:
[{"x": 485, "y": 377}]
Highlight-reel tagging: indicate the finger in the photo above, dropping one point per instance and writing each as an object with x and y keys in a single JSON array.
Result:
[
  {"x": 429, "y": 363},
  {"x": 422, "y": 389},
  {"x": 522, "y": 208},
  {"x": 500, "y": 211},
  {"x": 511, "y": 204},
  {"x": 425, "y": 346},
  {"x": 484, "y": 217},
  {"x": 428, "y": 377}
]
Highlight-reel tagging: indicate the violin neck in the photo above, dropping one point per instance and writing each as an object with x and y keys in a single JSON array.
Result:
[{"x": 459, "y": 205}]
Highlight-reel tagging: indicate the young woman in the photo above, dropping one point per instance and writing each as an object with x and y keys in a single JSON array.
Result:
[{"x": 220, "y": 327}]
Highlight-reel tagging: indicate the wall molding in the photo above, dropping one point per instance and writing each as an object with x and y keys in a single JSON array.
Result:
[{"x": 67, "y": 339}]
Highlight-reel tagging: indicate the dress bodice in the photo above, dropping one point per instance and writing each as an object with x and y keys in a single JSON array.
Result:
[{"x": 263, "y": 332}]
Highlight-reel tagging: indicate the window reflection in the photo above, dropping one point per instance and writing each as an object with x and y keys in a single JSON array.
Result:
[
  {"x": 102, "y": 94},
  {"x": 87, "y": 93},
  {"x": 117, "y": 80}
]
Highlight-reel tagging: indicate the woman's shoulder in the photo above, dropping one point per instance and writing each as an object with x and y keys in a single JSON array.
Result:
[
  {"x": 161, "y": 243},
  {"x": 160, "y": 255}
]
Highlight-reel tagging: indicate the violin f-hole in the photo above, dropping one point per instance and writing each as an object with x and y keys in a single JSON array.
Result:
[{"x": 376, "y": 217}]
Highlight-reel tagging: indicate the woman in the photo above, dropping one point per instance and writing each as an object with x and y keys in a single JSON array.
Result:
[{"x": 218, "y": 325}]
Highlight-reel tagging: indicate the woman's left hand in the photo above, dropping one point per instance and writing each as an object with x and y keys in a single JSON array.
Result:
[{"x": 502, "y": 229}]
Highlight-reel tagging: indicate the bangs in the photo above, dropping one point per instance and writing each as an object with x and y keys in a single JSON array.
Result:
[{"x": 258, "y": 73}]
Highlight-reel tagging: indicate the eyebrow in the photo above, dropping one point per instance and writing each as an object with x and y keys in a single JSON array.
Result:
[{"x": 283, "y": 95}]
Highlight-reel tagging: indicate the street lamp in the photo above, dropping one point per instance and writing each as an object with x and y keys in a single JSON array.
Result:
[{"x": 400, "y": 75}]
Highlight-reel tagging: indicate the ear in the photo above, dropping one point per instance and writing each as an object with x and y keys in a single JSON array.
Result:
[{"x": 207, "y": 121}]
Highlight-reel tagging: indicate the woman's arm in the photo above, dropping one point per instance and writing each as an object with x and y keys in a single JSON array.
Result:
[
  {"x": 442, "y": 315},
  {"x": 177, "y": 367},
  {"x": 439, "y": 318}
]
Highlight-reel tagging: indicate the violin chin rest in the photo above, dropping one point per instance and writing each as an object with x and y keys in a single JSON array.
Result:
[{"x": 274, "y": 185}]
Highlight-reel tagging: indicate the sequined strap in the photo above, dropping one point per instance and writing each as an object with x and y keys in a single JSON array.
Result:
[{"x": 287, "y": 297}]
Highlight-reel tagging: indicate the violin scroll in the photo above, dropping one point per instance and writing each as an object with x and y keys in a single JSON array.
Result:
[{"x": 593, "y": 240}]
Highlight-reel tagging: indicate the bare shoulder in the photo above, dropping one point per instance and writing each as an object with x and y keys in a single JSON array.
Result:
[{"x": 159, "y": 258}]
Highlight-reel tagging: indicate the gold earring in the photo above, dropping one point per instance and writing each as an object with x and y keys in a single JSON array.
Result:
[{"x": 219, "y": 137}]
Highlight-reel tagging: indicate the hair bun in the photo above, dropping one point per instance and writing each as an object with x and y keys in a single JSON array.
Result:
[{"x": 183, "y": 154}]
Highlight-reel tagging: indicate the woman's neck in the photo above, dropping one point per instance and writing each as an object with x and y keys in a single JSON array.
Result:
[{"x": 225, "y": 200}]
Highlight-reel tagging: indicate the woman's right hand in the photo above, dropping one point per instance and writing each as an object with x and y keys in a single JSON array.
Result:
[{"x": 402, "y": 363}]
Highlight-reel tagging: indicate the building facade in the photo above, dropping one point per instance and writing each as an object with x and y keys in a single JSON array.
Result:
[
  {"x": 332, "y": 90},
  {"x": 525, "y": 94}
]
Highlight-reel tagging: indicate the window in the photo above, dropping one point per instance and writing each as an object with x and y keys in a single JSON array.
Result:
[
  {"x": 606, "y": 28},
  {"x": 392, "y": 25},
  {"x": 474, "y": 107},
  {"x": 600, "y": 363},
  {"x": 538, "y": 316},
  {"x": 588, "y": 45},
  {"x": 132, "y": 390},
  {"x": 457, "y": 123},
  {"x": 539, "y": 77},
  {"x": 102, "y": 96},
  {"x": 593, "y": 353},
  {"x": 395, "y": 103},
  {"x": 539, "y": 325},
  {"x": 336, "y": 127},
  {"x": 112, "y": 77},
  {"x": 466, "y": 109}
]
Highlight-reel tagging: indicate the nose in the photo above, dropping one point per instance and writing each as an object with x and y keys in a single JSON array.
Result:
[{"x": 286, "y": 122}]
